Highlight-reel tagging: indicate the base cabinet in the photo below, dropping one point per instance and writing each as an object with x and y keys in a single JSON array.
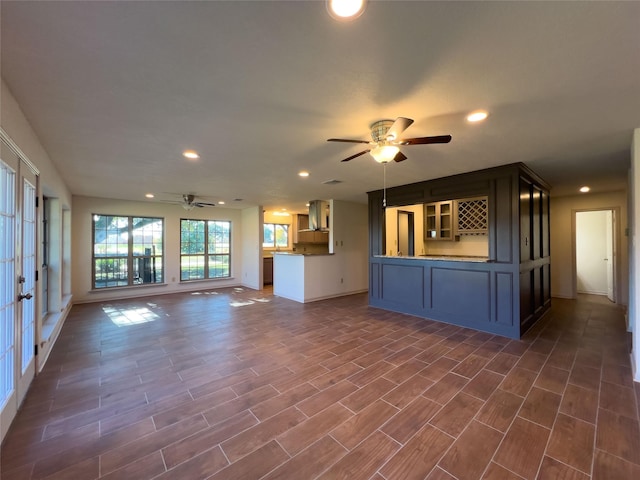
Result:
[{"x": 267, "y": 271}]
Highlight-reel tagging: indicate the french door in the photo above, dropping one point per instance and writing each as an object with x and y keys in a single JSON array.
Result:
[{"x": 18, "y": 261}]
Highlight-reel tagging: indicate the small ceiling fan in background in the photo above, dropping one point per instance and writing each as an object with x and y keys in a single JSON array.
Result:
[
  {"x": 386, "y": 141},
  {"x": 190, "y": 201}
]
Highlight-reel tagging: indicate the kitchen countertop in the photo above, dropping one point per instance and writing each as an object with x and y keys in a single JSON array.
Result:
[
  {"x": 445, "y": 258},
  {"x": 301, "y": 254}
]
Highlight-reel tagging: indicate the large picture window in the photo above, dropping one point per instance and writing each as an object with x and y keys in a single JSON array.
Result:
[
  {"x": 127, "y": 251},
  {"x": 275, "y": 235},
  {"x": 205, "y": 249}
]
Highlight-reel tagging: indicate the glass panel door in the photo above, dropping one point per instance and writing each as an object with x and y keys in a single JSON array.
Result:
[
  {"x": 26, "y": 279},
  {"x": 8, "y": 403},
  {"x": 18, "y": 260},
  {"x": 28, "y": 273}
]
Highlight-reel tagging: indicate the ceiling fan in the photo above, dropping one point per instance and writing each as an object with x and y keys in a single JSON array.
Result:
[
  {"x": 386, "y": 141},
  {"x": 189, "y": 202}
]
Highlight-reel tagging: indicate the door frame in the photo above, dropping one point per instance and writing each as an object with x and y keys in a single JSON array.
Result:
[
  {"x": 410, "y": 232},
  {"x": 616, "y": 249},
  {"x": 23, "y": 169}
]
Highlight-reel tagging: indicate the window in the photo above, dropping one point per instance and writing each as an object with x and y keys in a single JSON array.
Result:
[
  {"x": 275, "y": 235},
  {"x": 127, "y": 251},
  {"x": 46, "y": 253},
  {"x": 205, "y": 249}
]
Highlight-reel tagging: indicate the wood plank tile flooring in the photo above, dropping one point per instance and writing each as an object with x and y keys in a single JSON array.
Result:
[{"x": 239, "y": 384}]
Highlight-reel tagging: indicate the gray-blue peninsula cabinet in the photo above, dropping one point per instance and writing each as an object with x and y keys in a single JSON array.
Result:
[{"x": 493, "y": 277}]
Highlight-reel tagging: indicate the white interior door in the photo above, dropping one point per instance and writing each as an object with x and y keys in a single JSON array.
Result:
[
  {"x": 18, "y": 260},
  {"x": 610, "y": 255},
  {"x": 591, "y": 252}
]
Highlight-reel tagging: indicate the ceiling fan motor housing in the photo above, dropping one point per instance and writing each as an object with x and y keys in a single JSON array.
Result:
[{"x": 379, "y": 130}]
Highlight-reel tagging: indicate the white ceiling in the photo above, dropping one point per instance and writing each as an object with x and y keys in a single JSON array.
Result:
[{"x": 117, "y": 90}]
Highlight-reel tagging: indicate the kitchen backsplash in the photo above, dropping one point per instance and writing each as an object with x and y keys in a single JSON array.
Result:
[
  {"x": 468, "y": 245},
  {"x": 310, "y": 248}
]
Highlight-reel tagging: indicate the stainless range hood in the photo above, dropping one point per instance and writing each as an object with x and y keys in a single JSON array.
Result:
[{"x": 318, "y": 215}]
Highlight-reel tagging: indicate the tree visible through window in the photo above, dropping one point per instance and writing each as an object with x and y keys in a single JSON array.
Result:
[
  {"x": 275, "y": 235},
  {"x": 205, "y": 249},
  {"x": 127, "y": 250}
]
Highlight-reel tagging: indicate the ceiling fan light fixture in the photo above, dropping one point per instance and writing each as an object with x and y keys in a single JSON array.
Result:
[
  {"x": 384, "y": 153},
  {"x": 345, "y": 9}
]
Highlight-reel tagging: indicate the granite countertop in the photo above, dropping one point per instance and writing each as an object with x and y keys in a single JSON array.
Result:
[
  {"x": 302, "y": 254},
  {"x": 445, "y": 258}
]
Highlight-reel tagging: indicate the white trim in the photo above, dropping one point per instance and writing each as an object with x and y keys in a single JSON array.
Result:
[{"x": 4, "y": 136}]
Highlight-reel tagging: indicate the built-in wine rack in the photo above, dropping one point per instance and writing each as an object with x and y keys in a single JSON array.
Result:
[{"x": 473, "y": 218}]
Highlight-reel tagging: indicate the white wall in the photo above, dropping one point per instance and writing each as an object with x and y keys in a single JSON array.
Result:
[
  {"x": 562, "y": 256},
  {"x": 85, "y": 207},
  {"x": 16, "y": 127},
  {"x": 346, "y": 271},
  {"x": 252, "y": 247},
  {"x": 634, "y": 229}
]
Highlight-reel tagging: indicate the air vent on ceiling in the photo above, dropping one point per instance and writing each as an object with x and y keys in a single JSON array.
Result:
[{"x": 331, "y": 182}]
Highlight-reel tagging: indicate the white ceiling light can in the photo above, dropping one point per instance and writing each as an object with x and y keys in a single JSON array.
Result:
[
  {"x": 477, "y": 116},
  {"x": 384, "y": 153},
  {"x": 345, "y": 9},
  {"x": 191, "y": 154},
  {"x": 303, "y": 174},
  {"x": 584, "y": 189}
]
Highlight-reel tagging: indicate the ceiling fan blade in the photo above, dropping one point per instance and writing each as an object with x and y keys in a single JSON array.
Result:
[
  {"x": 399, "y": 126},
  {"x": 426, "y": 140},
  {"x": 355, "y": 156},
  {"x": 204, "y": 204},
  {"x": 346, "y": 140},
  {"x": 399, "y": 157}
]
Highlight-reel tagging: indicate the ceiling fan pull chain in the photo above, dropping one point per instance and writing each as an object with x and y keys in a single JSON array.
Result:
[{"x": 384, "y": 185}]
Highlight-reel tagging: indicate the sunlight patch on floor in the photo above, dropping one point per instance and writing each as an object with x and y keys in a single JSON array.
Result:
[
  {"x": 124, "y": 317},
  {"x": 241, "y": 303}
]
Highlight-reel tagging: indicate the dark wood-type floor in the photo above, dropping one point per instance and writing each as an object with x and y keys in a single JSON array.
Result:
[{"x": 238, "y": 384}]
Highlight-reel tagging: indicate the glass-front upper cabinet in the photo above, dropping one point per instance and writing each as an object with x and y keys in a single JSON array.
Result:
[{"x": 438, "y": 221}]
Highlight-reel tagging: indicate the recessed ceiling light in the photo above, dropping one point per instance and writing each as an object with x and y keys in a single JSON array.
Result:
[
  {"x": 149, "y": 195},
  {"x": 584, "y": 189},
  {"x": 221, "y": 202},
  {"x": 303, "y": 174},
  {"x": 477, "y": 116},
  {"x": 192, "y": 154},
  {"x": 345, "y": 9}
]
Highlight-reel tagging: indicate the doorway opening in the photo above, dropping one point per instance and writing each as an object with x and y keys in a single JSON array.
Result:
[
  {"x": 406, "y": 244},
  {"x": 595, "y": 247}
]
